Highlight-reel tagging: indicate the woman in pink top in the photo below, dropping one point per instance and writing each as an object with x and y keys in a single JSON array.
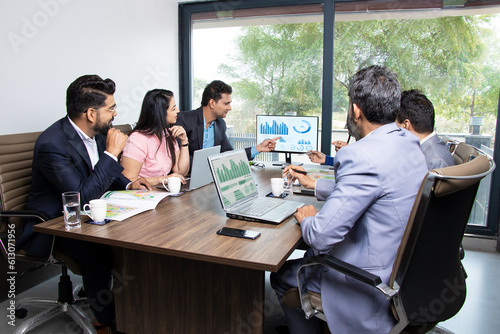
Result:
[{"x": 152, "y": 150}]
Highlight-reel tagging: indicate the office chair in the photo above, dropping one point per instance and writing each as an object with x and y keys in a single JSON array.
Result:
[
  {"x": 16, "y": 155},
  {"x": 427, "y": 262},
  {"x": 125, "y": 128},
  {"x": 464, "y": 153}
]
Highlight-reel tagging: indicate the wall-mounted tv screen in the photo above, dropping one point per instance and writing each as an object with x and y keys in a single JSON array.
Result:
[{"x": 299, "y": 134}]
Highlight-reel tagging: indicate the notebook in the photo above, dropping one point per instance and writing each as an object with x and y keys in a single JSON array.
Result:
[
  {"x": 238, "y": 193},
  {"x": 200, "y": 172}
]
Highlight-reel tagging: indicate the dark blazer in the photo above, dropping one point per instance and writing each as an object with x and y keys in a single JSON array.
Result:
[
  {"x": 192, "y": 122},
  {"x": 61, "y": 163}
]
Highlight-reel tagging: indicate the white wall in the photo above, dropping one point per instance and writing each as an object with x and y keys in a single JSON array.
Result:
[{"x": 46, "y": 44}]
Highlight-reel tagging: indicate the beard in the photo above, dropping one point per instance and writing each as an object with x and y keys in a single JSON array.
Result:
[
  {"x": 353, "y": 129},
  {"x": 103, "y": 128}
]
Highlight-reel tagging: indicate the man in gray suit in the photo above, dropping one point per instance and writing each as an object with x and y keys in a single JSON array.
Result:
[
  {"x": 417, "y": 116},
  {"x": 365, "y": 213}
]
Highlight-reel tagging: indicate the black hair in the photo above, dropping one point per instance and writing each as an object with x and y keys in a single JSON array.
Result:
[
  {"x": 214, "y": 90},
  {"x": 153, "y": 118},
  {"x": 376, "y": 91},
  {"x": 416, "y": 107},
  {"x": 88, "y": 91}
]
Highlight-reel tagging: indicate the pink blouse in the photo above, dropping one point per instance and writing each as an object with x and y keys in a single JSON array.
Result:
[{"x": 155, "y": 158}]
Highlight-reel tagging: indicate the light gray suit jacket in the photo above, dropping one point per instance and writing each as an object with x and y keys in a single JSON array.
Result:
[
  {"x": 436, "y": 153},
  {"x": 362, "y": 223}
]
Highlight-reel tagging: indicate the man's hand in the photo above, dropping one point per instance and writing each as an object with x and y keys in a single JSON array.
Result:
[
  {"x": 303, "y": 212},
  {"x": 317, "y": 157},
  {"x": 304, "y": 180},
  {"x": 140, "y": 184},
  {"x": 339, "y": 144},
  {"x": 115, "y": 141},
  {"x": 267, "y": 145}
]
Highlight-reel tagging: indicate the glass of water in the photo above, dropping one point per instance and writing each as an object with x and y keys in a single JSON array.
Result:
[
  {"x": 71, "y": 207},
  {"x": 287, "y": 185}
]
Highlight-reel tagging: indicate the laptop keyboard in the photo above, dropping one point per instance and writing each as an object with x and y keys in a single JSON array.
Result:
[{"x": 261, "y": 206}]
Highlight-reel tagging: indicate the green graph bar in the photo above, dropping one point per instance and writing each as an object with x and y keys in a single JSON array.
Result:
[
  {"x": 238, "y": 195},
  {"x": 236, "y": 170}
]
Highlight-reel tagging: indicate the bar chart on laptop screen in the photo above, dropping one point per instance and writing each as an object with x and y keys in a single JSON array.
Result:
[{"x": 234, "y": 179}]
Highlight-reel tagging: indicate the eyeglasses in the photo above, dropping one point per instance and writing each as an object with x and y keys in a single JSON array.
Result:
[{"x": 111, "y": 110}]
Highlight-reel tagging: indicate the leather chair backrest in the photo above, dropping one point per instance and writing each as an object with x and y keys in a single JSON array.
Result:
[
  {"x": 16, "y": 156},
  {"x": 464, "y": 153},
  {"x": 446, "y": 186},
  {"x": 125, "y": 128}
]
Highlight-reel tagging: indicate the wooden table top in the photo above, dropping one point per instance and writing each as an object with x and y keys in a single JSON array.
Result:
[{"x": 186, "y": 226}]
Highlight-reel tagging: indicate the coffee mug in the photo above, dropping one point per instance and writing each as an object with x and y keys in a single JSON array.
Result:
[
  {"x": 173, "y": 184},
  {"x": 277, "y": 186},
  {"x": 96, "y": 210}
]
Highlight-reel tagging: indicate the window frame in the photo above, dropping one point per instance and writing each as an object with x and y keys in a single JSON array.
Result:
[{"x": 185, "y": 39}]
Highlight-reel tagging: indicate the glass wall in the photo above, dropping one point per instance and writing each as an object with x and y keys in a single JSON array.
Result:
[
  {"x": 273, "y": 58},
  {"x": 449, "y": 56}
]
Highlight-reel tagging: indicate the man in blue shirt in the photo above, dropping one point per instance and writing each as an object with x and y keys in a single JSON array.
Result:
[
  {"x": 205, "y": 126},
  {"x": 322, "y": 158}
]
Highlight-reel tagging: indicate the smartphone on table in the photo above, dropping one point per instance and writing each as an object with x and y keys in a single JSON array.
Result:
[{"x": 236, "y": 232}]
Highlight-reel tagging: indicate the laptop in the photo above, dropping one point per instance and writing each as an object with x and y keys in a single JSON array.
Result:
[
  {"x": 238, "y": 193},
  {"x": 200, "y": 172}
]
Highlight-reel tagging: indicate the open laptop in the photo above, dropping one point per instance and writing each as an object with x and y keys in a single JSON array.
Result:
[
  {"x": 238, "y": 193},
  {"x": 200, "y": 172}
]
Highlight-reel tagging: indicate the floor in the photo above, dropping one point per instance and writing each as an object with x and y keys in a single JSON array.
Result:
[{"x": 480, "y": 314}]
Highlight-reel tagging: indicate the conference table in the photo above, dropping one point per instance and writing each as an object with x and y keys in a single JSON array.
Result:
[{"x": 174, "y": 274}]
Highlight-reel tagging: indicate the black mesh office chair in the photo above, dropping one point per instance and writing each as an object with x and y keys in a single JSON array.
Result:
[
  {"x": 427, "y": 273},
  {"x": 16, "y": 155}
]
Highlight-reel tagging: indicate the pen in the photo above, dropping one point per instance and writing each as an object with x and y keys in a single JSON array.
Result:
[{"x": 299, "y": 171}]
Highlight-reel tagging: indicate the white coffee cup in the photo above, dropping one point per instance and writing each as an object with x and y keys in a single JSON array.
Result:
[
  {"x": 277, "y": 186},
  {"x": 173, "y": 184},
  {"x": 96, "y": 210}
]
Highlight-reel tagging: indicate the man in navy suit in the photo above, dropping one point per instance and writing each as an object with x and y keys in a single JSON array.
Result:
[
  {"x": 205, "y": 126},
  {"x": 365, "y": 211},
  {"x": 417, "y": 116},
  {"x": 79, "y": 153}
]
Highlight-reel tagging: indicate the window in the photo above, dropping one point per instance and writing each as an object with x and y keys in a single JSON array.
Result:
[{"x": 277, "y": 60}]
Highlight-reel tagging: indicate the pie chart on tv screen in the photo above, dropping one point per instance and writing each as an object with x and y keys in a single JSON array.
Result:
[{"x": 303, "y": 128}]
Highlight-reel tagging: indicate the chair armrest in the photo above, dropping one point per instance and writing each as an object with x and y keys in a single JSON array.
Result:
[
  {"x": 24, "y": 214},
  {"x": 345, "y": 268},
  {"x": 26, "y": 257},
  {"x": 340, "y": 266}
]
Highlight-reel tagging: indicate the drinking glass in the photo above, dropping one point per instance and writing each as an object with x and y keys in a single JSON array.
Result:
[
  {"x": 287, "y": 185},
  {"x": 71, "y": 207}
]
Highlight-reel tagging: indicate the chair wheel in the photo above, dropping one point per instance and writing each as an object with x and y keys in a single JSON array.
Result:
[{"x": 21, "y": 313}]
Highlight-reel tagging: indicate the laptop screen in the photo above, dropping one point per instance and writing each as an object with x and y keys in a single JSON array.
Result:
[{"x": 233, "y": 177}]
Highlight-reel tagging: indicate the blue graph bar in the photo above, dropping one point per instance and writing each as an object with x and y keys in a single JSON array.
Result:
[{"x": 275, "y": 129}]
